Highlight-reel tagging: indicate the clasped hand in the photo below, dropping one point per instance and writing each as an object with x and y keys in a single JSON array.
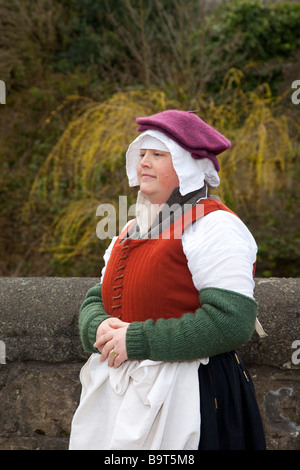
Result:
[{"x": 111, "y": 341}]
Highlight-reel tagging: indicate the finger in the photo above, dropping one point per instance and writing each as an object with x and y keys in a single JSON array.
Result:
[
  {"x": 112, "y": 356},
  {"x": 103, "y": 328},
  {"x": 120, "y": 358},
  {"x": 106, "y": 350},
  {"x": 103, "y": 339},
  {"x": 116, "y": 323}
]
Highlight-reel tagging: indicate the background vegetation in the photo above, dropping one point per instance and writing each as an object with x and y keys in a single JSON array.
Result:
[{"x": 78, "y": 72}]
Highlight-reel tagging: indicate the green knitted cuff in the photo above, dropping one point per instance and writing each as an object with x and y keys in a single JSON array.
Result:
[
  {"x": 92, "y": 313},
  {"x": 137, "y": 343},
  {"x": 225, "y": 320}
]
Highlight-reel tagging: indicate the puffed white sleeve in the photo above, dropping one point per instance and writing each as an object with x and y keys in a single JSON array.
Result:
[{"x": 220, "y": 252}]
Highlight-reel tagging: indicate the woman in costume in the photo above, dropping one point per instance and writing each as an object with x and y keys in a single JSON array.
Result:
[{"x": 174, "y": 302}]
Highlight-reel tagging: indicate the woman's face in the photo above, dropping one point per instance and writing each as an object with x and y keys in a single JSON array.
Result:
[{"x": 156, "y": 175}]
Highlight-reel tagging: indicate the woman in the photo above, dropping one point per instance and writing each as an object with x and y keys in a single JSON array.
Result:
[{"x": 174, "y": 302}]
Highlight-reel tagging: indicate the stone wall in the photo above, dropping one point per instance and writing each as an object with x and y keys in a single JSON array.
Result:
[{"x": 41, "y": 356}]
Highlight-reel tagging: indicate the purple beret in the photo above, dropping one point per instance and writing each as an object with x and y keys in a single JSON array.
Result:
[{"x": 189, "y": 131}]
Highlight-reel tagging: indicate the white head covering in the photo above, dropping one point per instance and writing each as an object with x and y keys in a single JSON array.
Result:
[{"x": 191, "y": 173}]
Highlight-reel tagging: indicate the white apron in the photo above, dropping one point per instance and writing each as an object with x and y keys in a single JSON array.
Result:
[{"x": 141, "y": 405}]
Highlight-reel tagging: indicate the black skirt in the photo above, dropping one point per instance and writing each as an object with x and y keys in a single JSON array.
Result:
[{"x": 230, "y": 417}]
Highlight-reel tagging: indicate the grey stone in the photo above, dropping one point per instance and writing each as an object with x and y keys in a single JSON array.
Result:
[
  {"x": 279, "y": 313},
  {"x": 41, "y": 357},
  {"x": 39, "y": 318}
]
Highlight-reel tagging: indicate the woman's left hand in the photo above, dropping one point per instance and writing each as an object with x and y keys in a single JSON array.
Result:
[{"x": 113, "y": 344}]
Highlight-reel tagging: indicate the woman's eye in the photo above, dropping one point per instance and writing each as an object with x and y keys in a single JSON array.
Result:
[{"x": 154, "y": 154}]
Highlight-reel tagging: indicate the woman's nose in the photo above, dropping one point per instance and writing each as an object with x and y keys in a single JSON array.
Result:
[{"x": 145, "y": 160}]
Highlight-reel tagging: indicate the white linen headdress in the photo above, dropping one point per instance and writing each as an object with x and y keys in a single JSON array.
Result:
[{"x": 191, "y": 173}]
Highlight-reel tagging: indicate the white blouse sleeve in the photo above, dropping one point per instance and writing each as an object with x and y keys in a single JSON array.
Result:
[
  {"x": 106, "y": 257},
  {"x": 220, "y": 252},
  {"x": 108, "y": 251}
]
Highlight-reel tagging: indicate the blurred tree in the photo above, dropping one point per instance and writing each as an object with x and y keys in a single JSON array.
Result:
[
  {"x": 268, "y": 32},
  {"x": 185, "y": 47},
  {"x": 87, "y": 166},
  {"x": 28, "y": 37}
]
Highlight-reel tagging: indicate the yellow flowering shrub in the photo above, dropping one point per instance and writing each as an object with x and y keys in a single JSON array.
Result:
[{"x": 86, "y": 167}]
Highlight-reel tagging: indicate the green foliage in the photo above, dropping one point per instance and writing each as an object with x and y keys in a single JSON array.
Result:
[
  {"x": 28, "y": 36},
  {"x": 264, "y": 34},
  {"x": 177, "y": 44},
  {"x": 266, "y": 30}
]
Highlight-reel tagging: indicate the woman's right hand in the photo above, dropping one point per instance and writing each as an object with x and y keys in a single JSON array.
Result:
[{"x": 105, "y": 327}]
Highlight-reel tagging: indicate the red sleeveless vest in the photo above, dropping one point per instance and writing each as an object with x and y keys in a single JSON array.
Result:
[{"x": 149, "y": 278}]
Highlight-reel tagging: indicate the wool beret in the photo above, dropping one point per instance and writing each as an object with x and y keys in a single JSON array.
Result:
[{"x": 189, "y": 131}]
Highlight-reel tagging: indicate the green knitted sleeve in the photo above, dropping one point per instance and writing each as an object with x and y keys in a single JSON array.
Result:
[
  {"x": 91, "y": 314},
  {"x": 225, "y": 321}
]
